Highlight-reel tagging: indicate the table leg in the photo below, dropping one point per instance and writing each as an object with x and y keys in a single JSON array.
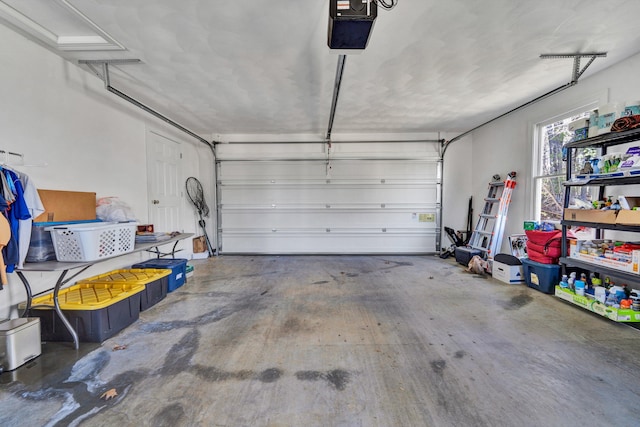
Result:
[
  {"x": 27, "y": 288},
  {"x": 56, "y": 306}
]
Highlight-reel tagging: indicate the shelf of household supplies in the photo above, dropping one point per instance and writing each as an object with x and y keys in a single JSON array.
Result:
[
  {"x": 607, "y": 139},
  {"x": 622, "y": 178},
  {"x": 589, "y": 303},
  {"x": 617, "y": 227},
  {"x": 603, "y": 270}
]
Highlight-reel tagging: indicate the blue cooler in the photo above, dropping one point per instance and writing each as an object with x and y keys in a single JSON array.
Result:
[{"x": 178, "y": 267}]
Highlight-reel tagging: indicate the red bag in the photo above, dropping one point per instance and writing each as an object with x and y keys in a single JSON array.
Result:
[
  {"x": 542, "y": 259},
  {"x": 551, "y": 249},
  {"x": 545, "y": 246}
]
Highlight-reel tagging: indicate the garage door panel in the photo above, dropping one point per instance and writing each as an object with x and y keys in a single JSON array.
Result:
[
  {"x": 306, "y": 242},
  {"x": 327, "y": 194},
  {"x": 282, "y": 219},
  {"x": 272, "y": 170},
  {"x": 384, "y": 170}
]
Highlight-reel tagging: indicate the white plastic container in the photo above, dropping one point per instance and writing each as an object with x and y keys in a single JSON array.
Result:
[{"x": 91, "y": 242}]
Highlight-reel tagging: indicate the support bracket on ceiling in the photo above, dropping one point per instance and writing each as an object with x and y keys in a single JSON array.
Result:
[
  {"x": 103, "y": 74},
  {"x": 577, "y": 72}
]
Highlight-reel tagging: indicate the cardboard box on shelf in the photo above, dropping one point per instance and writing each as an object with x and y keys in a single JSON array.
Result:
[
  {"x": 626, "y": 215},
  {"x": 630, "y": 267},
  {"x": 590, "y": 215},
  {"x": 63, "y": 206}
]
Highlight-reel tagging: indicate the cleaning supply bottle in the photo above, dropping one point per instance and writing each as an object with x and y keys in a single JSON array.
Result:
[
  {"x": 564, "y": 282},
  {"x": 571, "y": 281}
]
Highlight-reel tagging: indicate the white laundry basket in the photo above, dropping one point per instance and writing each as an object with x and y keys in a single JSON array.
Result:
[{"x": 90, "y": 242}]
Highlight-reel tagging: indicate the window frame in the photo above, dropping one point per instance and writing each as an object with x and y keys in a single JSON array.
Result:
[{"x": 536, "y": 172}]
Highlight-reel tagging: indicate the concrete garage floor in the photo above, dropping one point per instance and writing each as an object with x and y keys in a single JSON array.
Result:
[{"x": 340, "y": 341}]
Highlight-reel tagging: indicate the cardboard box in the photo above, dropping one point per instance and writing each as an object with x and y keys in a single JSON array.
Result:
[
  {"x": 628, "y": 217},
  {"x": 628, "y": 202},
  {"x": 67, "y": 206},
  {"x": 511, "y": 274},
  {"x": 199, "y": 244},
  {"x": 629, "y": 267},
  {"x": 591, "y": 304},
  {"x": 590, "y": 215}
]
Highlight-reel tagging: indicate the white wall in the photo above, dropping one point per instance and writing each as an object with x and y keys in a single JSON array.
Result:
[
  {"x": 457, "y": 186},
  {"x": 53, "y": 112},
  {"x": 506, "y": 144}
]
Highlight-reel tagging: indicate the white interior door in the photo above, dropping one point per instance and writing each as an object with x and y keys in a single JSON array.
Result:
[{"x": 164, "y": 159}]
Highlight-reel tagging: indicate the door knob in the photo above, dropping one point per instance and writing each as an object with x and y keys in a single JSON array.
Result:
[{"x": 155, "y": 202}]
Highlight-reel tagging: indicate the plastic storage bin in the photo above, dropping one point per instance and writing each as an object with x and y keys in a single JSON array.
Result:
[
  {"x": 178, "y": 268},
  {"x": 464, "y": 254},
  {"x": 542, "y": 277},
  {"x": 91, "y": 242},
  {"x": 96, "y": 311},
  {"x": 41, "y": 247},
  {"x": 153, "y": 280}
]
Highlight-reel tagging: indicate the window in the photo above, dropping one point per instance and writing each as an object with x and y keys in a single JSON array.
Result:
[{"x": 550, "y": 168}]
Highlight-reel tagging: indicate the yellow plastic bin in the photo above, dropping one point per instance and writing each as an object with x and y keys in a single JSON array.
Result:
[
  {"x": 97, "y": 311},
  {"x": 154, "y": 280}
]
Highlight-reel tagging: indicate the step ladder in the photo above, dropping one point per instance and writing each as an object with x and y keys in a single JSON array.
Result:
[{"x": 487, "y": 236}]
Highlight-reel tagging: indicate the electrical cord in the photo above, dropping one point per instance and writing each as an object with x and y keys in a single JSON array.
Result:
[{"x": 388, "y": 5}]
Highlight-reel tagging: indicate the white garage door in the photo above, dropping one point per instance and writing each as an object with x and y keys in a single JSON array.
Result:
[{"x": 315, "y": 199}]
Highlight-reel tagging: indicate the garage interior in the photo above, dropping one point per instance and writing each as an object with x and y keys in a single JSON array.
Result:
[{"x": 330, "y": 174}]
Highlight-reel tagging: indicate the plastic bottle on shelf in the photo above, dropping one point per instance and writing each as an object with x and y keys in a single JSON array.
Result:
[
  {"x": 564, "y": 282},
  {"x": 611, "y": 300},
  {"x": 571, "y": 281}
]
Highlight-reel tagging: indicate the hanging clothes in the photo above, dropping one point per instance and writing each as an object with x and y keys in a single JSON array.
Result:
[
  {"x": 17, "y": 210},
  {"x": 35, "y": 206}
]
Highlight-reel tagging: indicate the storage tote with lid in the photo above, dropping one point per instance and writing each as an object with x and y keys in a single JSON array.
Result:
[
  {"x": 178, "y": 268},
  {"x": 155, "y": 282},
  {"x": 97, "y": 311}
]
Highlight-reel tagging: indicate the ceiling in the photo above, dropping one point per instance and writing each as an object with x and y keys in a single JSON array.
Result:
[{"x": 236, "y": 70}]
